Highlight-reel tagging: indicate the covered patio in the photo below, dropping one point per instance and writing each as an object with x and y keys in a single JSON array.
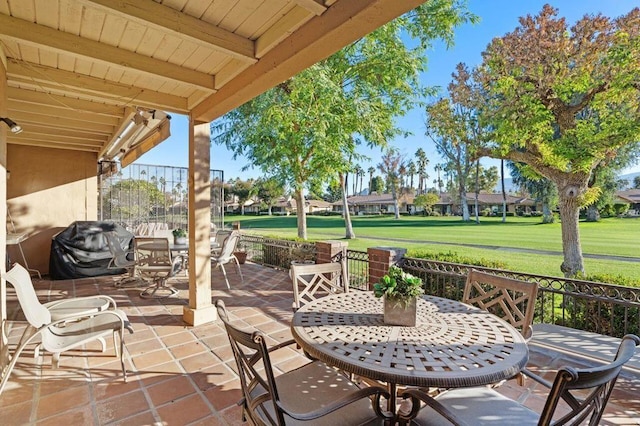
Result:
[
  {"x": 88, "y": 84},
  {"x": 183, "y": 375}
]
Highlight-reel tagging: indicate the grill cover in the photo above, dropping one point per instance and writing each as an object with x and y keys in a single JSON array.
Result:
[{"x": 81, "y": 250}]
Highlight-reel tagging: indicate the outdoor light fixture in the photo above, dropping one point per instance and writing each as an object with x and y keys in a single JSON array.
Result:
[{"x": 12, "y": 125}]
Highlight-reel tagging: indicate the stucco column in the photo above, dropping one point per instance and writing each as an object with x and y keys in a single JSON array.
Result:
[
  {"x": 326, "y": 251},
  {"x": 200, "y": 309},
  {"x": 3, "y": 202},
  {"x": 380, "y": 258}
]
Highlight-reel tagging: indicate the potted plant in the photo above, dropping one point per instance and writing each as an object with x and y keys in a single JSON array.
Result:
[
  {"x": 240, "y": 253},
  {"x": 399, "y": 291},
  {"x": 179, "y": 236}
]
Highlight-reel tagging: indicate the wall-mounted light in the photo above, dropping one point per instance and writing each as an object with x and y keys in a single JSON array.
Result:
[{"x": 12, "y": 125}]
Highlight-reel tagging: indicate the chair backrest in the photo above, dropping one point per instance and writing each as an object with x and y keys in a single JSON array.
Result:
[
  {"x": 587, "y": 390},
  {"x": 119, "y": 254},
  {"x": 153, "y": 257},
  {"x": 37, "y": 315},
  {"x": 510, "y": 299},
  {"x": 311, "y": 282},
  {"x": 221, "y": 235},
  {"x": 229, "y": 245},
  {"x": 254, "y": 368}
]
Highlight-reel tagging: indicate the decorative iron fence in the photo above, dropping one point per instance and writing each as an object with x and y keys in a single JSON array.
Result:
[
  {"x": 142, "y": 193},
  {"x": 276, "y": 253},
  {"x": 601, "y": 308},
  {"x": 358, "y": 268},
  {"x": 584, "y": 305}
]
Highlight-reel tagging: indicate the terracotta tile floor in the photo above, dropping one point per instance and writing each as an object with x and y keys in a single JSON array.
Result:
[{"x": 181, "y": 375}]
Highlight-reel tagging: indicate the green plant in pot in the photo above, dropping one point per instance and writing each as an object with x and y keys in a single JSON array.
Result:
[
  {"x": 179, "y": 236},
  {"x": 399, "y": 291}
]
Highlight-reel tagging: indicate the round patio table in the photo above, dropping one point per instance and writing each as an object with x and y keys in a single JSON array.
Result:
[{"x": 452, "y": 345}]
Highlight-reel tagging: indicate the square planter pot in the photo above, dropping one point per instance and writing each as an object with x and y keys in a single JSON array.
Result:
[
  {"x": 400, "y": 313},
  {"x": 241, "y": 256}
]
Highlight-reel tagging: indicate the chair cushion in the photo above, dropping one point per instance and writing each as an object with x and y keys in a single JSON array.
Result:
[
  {"x": 315, "y": 385},
  {"x": 478, "y": 406}
]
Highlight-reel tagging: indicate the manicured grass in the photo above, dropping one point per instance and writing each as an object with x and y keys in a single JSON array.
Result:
[{"x": 612, "y": 236}]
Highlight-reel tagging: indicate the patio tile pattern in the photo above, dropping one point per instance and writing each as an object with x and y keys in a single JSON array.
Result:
[{"x": 183, "y": 375}]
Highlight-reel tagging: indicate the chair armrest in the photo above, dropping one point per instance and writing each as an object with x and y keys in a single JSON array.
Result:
[
  {"x": 417, "y": 396},
  {"x": 366, "y": 392},
  {"x": 537, "y": 378},
  {"x": 115, "y": 312},
  {"x": 282, "y": 345},
  {"x": 55, "y": 303}
]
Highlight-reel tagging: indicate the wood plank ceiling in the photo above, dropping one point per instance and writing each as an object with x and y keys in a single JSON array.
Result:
[{"x": 80, "y": 71}]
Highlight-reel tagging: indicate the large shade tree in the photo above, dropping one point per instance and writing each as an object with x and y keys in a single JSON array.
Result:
[
  {"x": 308, "y": 128},
  {"x": 453, "y": 125},
  {"x": 564, "y": 101}
]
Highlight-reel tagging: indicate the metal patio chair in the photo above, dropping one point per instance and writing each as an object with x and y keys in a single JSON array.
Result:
[
  {"x": 310, "y": 282},
  {"x": 155, "y": 262},
  {"x": 581, "y": 392},
  {"x": 60, "y": 335},
  {"x": 313, "y": 394}
]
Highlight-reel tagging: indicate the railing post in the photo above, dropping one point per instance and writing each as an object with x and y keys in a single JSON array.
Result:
[
  {"x": 380, "y": 258},
  {"x": 326, "y": 251}
]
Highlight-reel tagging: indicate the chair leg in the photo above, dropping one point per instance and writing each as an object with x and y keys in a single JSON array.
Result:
[
  {"x": 239, "y": 270},
  {"x": 224, "y": 272},
  {"x": 159, "y": 285},
  {"x": 24, "y": 341}
]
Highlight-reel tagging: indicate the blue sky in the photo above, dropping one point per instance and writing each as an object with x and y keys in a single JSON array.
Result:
[{"x": 497, "y": 17}]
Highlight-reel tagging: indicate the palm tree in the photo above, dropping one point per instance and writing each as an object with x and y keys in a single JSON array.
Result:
[
  {"x": 371, "y": 171},
  {"x": 438, "y": 168},
  {"x": 422, "y": 170},
  {"x": 411, "y": 169}
]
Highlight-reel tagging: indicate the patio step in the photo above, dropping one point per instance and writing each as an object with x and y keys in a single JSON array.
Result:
[{"x": 581, "y": 343}]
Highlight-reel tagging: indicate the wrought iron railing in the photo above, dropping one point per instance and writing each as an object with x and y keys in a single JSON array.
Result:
[
  {"x": 276, "y": 253},
  {"x": 358, "y": 267},
  {"x": 602, "y": 308}
]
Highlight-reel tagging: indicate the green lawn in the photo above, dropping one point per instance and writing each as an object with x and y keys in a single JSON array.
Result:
[{"x": 613, "y": 236}]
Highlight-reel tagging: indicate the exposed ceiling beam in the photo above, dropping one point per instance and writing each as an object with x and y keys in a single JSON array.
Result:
[
  {"x": 281, "y": 30},
  {"x": 312, "y": 6},
  {"x": 41, "y": 78},
  {"x": 60, "y": 113},
  {"x": 25, "y": 118},
  {"x": 67, "y": 43},
  {"x": 169, "y": 20},
  {"x": 58, "y": 140},
  {"x": 343, "y": 23},
  {"x": 35, "y": 129},
  {"x": 44, "y": 144},
  {"x": 65, "y": 102}
]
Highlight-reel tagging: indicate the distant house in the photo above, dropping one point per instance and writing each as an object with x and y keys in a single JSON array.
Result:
[
  {"x": 630, "y": 197},
  {"x": 375, "y": 204},
  {"x": 288, "y": 205},
  {"x": 383, "y": 203}
]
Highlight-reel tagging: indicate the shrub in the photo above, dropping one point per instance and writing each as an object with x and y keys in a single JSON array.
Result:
[{"x": 455, "y": 257}]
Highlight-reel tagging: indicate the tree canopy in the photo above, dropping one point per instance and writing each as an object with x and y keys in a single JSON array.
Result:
[
  {"x": 564, "y": 101},
  {"x": 308, "y": 127}
]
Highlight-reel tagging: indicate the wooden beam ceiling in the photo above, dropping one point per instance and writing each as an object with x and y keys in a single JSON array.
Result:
[
  {"x": 169, "y": 20},
  {"x": 69, "y": 83},
  {"x": 70, "y": 44}
]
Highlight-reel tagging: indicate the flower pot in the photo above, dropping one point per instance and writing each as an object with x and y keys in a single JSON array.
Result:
[
  {"x": 241, "y": 256},
  {"x": 400, "y": 312},
  {"x": 180, "y": 240}
]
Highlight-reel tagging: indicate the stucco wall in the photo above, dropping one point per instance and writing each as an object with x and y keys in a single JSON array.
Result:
[{"x": 47, "y": 190}]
